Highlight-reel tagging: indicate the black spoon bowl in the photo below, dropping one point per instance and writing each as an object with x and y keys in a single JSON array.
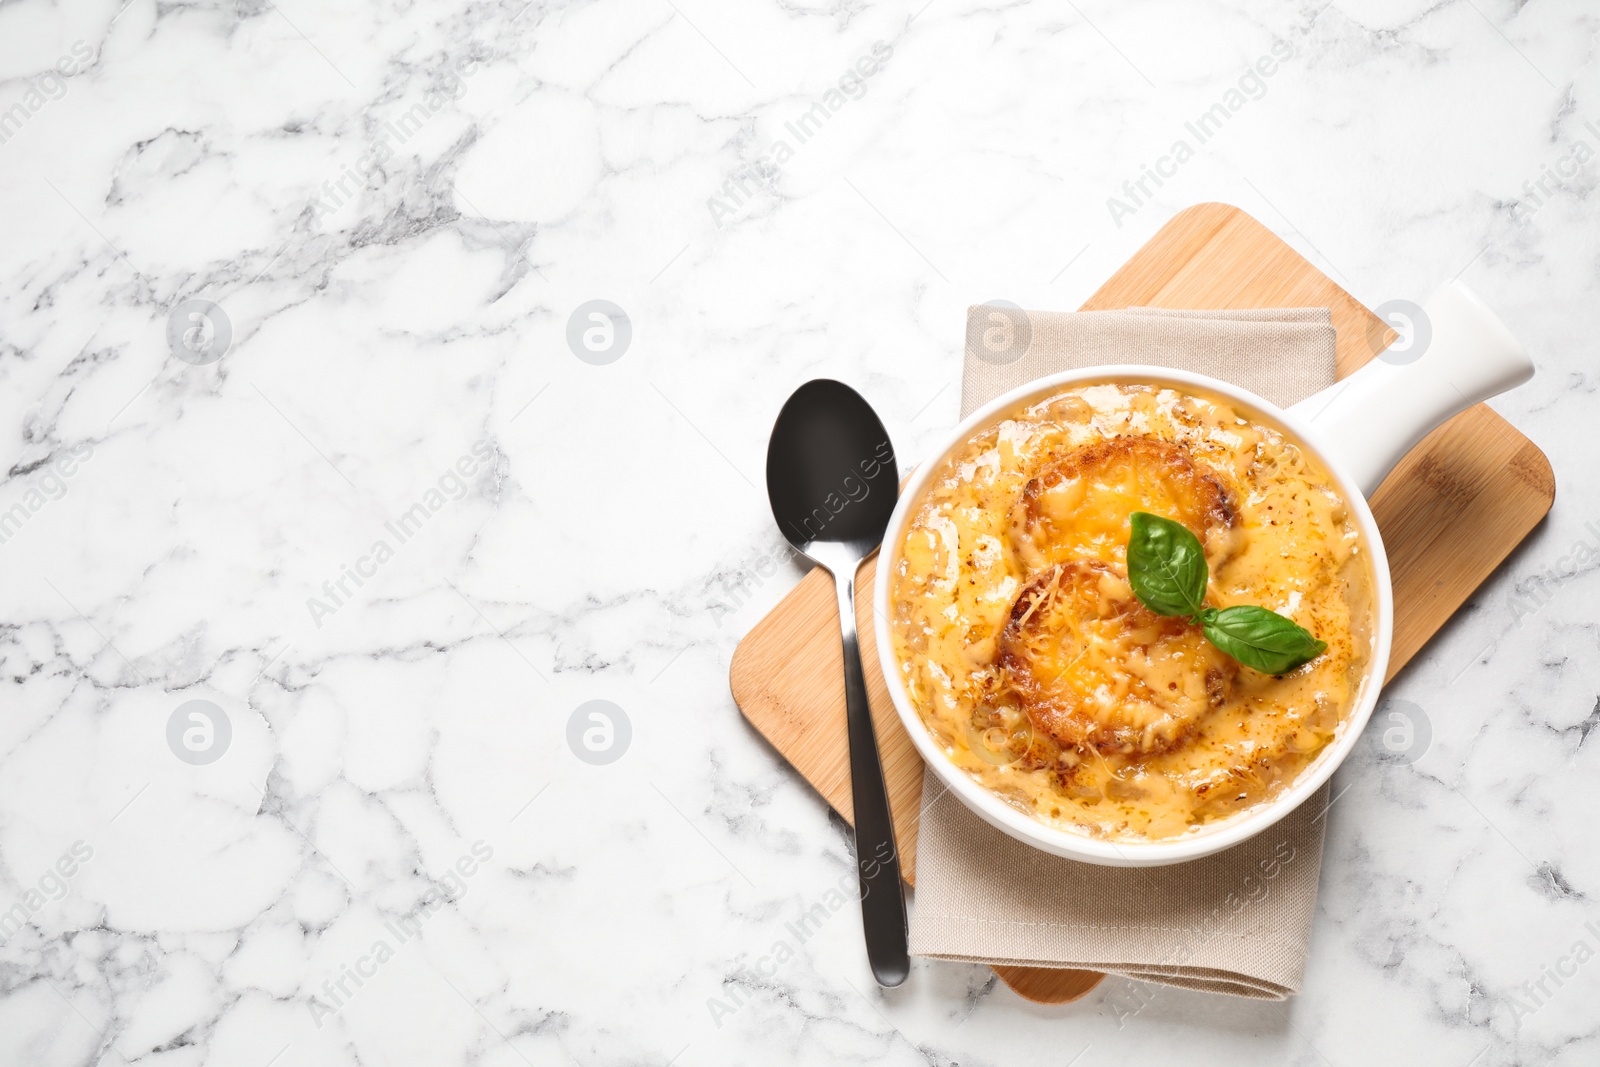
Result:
[{"x": 832, "y": 481}]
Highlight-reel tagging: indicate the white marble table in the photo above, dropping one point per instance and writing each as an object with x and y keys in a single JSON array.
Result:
[{"x": 372, "y": 509}]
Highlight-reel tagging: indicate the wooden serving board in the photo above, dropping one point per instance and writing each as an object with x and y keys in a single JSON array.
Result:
[{"x": 1449, "y": 514}]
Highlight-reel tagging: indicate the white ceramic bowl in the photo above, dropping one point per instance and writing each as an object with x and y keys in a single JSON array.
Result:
[{"x": 1359, "y": 428}]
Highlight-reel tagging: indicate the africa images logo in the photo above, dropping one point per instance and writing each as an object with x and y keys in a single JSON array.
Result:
[
  {"x": 450, "y": 487},
  {"x": 763, "y": 171}
]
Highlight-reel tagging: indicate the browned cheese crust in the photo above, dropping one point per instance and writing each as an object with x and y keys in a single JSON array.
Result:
[
  {"x": 1094, "y": 668},
  {"x": 1078, "y": 507}
]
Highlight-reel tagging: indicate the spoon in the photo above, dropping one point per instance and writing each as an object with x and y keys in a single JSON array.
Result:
[{"x": 832, "y": 481}]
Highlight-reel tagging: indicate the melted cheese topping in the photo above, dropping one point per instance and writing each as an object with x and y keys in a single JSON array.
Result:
[
  {"x": 1040, "y": 674},
  {"x": 1093, "y": 667}
]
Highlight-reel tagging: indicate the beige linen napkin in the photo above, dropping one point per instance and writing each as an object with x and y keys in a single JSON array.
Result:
[{"x": 1238, "y": 922}]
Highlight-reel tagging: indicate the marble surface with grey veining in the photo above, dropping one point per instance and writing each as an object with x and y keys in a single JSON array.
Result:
[{"x": 330, "y": 512}]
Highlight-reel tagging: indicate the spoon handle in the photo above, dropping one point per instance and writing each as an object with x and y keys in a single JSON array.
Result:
[{"x": 883, "y": 902}]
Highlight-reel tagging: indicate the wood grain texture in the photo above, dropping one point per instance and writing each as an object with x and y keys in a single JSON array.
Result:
[{"x": 1450, "y": 513}]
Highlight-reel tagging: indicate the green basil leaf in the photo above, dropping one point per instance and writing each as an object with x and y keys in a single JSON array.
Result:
[
  {"x": 1260, "y": 638},
  {"x": 1166, "y": 565}
]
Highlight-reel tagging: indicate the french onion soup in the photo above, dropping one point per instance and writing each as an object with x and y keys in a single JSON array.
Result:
[{"x": 1132, "y": 611}]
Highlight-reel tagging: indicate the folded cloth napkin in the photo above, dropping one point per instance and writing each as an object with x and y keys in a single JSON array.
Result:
[{"x": 1237, "y": 922}]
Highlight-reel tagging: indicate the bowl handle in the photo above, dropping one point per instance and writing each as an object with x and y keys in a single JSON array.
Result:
[{"x": 1459, "y": 354}]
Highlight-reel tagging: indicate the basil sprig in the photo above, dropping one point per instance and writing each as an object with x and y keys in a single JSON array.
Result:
[
  {"x": 1260, "y": 638},
  {"x": 1167, "y": 569},
  {"x": 1166, "y": 566}
]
